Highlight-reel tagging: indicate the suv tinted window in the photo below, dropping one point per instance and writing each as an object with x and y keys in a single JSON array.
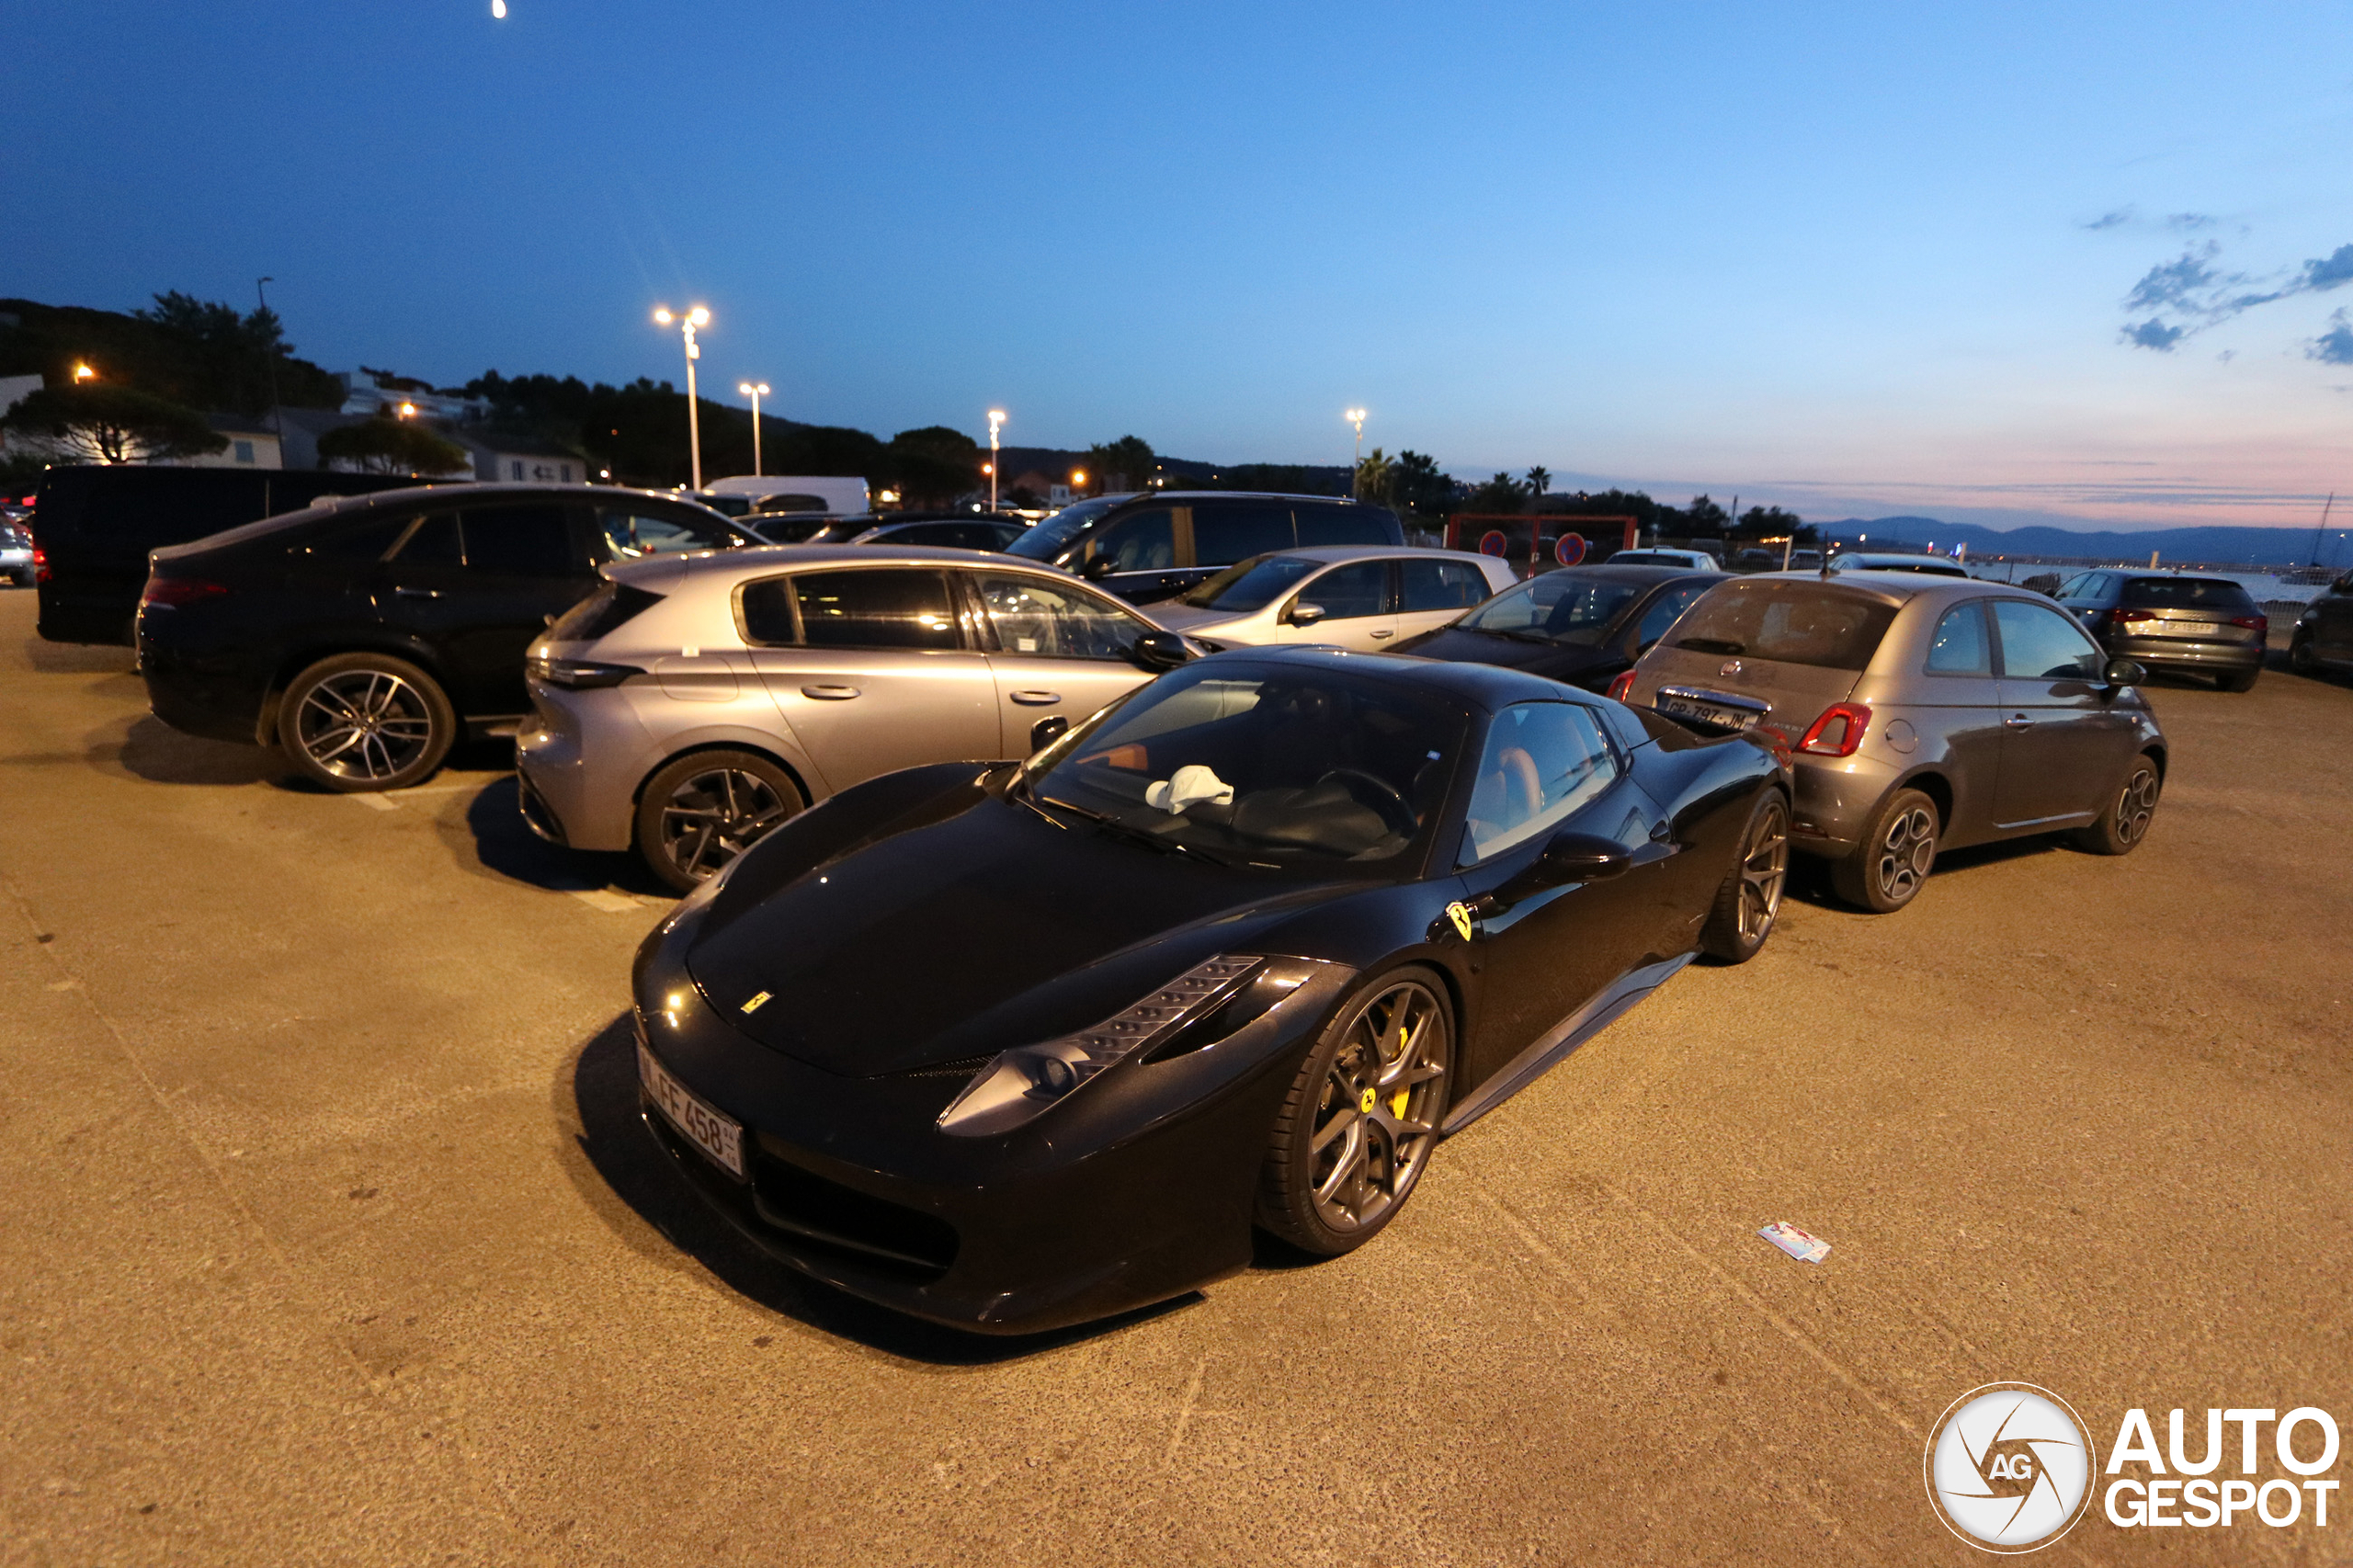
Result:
[
  {"x": 1792, "y": 623},
  {"x": 2189, "y": 593},
  {"x": 2042, "y": 644},
  {"x": 1960, "y": 646},
  {"x": 1442, "y": 584},
  {"x": 1141, "y": 541},
  {"x": 889, "y": 609},
  {"x": 631, "y": 534},
  {"x": 1331, "y": 523},
  {"x": 1225, "y": 532},
  {"x": 532, "y": 539},
  {"x": 434, "y": 543},
  {"x": 367, "y": 541}
]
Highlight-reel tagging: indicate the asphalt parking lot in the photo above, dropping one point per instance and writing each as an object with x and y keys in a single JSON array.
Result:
[{"x": 331, "y": 1236}]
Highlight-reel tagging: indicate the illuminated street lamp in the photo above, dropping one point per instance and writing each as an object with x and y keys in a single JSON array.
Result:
[
  {"x": 1078, "y": 479},
  {"x": 1356, "y": 417},
  {"x": 755, "y": 390},
  {"x": 996, "y": 423},
  {"x": 695, "y": 317},
  {"x": 84, "y": 373}
]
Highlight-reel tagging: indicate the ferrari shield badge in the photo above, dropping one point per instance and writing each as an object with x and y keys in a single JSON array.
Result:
[{"x": 1460, "y": 913}]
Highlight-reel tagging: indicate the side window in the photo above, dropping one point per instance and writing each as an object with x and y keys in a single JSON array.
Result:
[
  {"x": 1228, "y": 531},
  {"x": 1141, "y": 541},
  {"x": 1331, "y": 523},
  {"x": 628, "y": 535},
  {"x": 1663, "y": 613},
  {"x": 529, "y": 541},
  {"x": 434, "y": 543},
  {"x": 1442, "y": 584},
  {"x": 1960, "y": 646},
  {"x": 1347, "y": 592},
  {"x": 889, "y": 609},
  {"x": 368, "y": 541},
  {"x": 1542, "y": 761},
  {"x": 768, "y": 613},
  {"x": 2042, "y": 644},
  {"x": 1030, "y": 615}
]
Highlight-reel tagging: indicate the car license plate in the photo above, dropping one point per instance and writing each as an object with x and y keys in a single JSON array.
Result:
[
  {"x": 2192, "y": 628},
  {"x": 1705, "y": 713},
  {"x": 714, "y": 1134}
]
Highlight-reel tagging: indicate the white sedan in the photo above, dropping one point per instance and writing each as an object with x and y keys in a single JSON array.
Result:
[{"x": 1347, "y": 596}]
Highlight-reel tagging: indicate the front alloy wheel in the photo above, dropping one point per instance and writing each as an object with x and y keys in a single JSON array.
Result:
[
  {"x": 705, "y": 808},
  {"x": 1750, "y": 899},
  {"x": 1361, "y": 1118}
]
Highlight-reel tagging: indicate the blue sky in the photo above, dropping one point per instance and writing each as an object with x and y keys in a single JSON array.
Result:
[{"x": 1863, "y": 258}]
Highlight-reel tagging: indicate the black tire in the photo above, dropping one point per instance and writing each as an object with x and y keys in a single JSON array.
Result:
[
  {"x": 707, "y": 807},
  {"x": 1897, "y": 852},
  {"x": 2245, "y": 682},
  {"x": 1391, "y": 1049},
  {"x": 1750, "y": 899},
  {"x": 2124, "y": 818},
  {"x": 2301, "y": 659},
  {"x": 358, "y": 723}
]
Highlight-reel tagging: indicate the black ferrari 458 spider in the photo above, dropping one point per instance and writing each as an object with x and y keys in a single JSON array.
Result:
[{"x": 1019, "y": 1045}]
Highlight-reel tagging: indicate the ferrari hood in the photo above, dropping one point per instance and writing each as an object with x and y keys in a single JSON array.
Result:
[{"x": 970, "y": 931}]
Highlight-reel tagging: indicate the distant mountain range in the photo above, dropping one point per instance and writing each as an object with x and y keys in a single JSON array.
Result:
[{"x": 2253, "y": 546}]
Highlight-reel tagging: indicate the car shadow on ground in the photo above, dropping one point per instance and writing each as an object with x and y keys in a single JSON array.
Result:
[
  {"x": 505, "y": 847},
  {"x": 153, "y": 750},
  {"x": 623, "y": 1161}
]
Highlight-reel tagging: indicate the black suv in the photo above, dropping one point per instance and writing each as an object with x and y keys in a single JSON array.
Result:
[
  {"x": 2174, "y": 622},
  {"x": 2323, "y": 636},
  {"x": 1154, "y": 547},
  {"x": 358, "y": 636}
]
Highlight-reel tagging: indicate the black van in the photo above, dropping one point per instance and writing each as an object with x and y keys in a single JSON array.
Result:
[
  {"x": 1153, "y": 546},
  {"x": 97, "y": 525}
]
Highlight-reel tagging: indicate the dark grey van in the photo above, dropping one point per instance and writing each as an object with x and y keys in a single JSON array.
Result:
[{"x": 1153, "y": 546}]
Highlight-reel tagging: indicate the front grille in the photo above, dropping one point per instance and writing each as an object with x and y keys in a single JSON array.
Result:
[
  {"x": 962, "y": 1067},
  {"x": 810, "y": 1207}
]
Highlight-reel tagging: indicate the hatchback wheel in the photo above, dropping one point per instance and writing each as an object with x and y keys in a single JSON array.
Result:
[
  {"x": 1885, "y": 872},
  {"x": 2300, "y": 658},
  {"x": 1362, "y": 1116},
  {"x": 2124, "y": 819},
  {"x": 362, "y": 721},
  {"x": 708, "y": 807},
  {"x": 1750, "y": 899}
]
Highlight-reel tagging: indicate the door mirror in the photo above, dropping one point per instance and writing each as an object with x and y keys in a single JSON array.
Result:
[
  {"x": 1569, "y": 858},
  {"x": 1046, "y": 732},
  {"x": 1098, "y": 568},
  {"x": 1305, "y": 614},
  {"x": 2122, "y": 672},
  {"x": 1158, "y": 651}
]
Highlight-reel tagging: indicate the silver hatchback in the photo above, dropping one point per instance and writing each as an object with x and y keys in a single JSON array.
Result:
[
  {"x": 696, "y": 701},
  {"x": 1921, "y": 713}
]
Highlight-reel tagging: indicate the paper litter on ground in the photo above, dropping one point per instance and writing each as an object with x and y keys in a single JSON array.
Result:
[{"x": 1796, "y": 1242}]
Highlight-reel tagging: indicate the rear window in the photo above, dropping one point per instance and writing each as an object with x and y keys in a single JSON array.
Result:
[
  {"x": 1335, "y": 524},
  {"x": 601, "y": 613},
  {"x": 1790, "y": 623},
  {"x": 2188, "y": 592}
]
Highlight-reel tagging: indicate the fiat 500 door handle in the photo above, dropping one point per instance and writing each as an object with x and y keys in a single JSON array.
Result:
[
  {"x": 1379, "y": 635},
  {"x": 2018, "y": 721},
  {"x": 830, "y": 693},
  {"x": 1037, "y": 699}
]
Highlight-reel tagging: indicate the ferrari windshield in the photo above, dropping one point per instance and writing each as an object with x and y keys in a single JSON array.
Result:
[
  {"x": 1271, "y": 768},
  {"x": 1559, "y": 607}
]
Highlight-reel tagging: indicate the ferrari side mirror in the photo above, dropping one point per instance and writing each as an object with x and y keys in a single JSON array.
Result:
[{"x": 1571, "y": 856}]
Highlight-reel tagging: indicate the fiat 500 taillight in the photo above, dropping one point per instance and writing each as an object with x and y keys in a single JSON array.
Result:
[{"x": 1838, "y": 731}]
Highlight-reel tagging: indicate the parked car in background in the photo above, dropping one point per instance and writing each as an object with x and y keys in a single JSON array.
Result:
[
  {"x": 362, "y": 637},
  {"x": 95, "y": 525},
  {"x": 1806, "y": 560},
  {"x": 2171, "y": 622},
  {"x": 959, "y": 529},
  {"x": 1890, "y": 561},
  {"x": 17, "y": 554},
  {"x": 1650, "y": 555},
  {"x": 2323, "y": 635},
  {"x": 1584, "y": 625},
  {"x": 1154, "y": 546},
  {"x": 1757, "y": 558},
  {"x": 1922, "y": 714},
  {"x": 693, "y": 704},
  {"x": 1347, "y": 596},
  {"x": 789, "y": 493}
]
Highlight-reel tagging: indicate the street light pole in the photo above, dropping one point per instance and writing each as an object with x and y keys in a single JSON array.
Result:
[
  {"x": 277, "y": 416},
  {"x": 695, "y": 317},
  {"x": 996, "y": 423},
  {"x": 755, "y": 390},
  {"x": 1356, "y": 417}
]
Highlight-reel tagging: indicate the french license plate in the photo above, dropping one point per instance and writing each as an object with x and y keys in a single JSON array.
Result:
[
  {"x": 714, "y": 1134},
  {"x": 1705, "y": 713},
  {"x": 2191, "y": 628}
]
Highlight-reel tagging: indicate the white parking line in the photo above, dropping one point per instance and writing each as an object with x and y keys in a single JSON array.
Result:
[
  {"x": 603, "y": 899},
  {"x": 376, "y": 803}
]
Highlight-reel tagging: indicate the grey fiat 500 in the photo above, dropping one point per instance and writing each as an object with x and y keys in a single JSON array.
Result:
[
  {"x": 696, "y": 701},
  {"x": 1921, "y": 713}
]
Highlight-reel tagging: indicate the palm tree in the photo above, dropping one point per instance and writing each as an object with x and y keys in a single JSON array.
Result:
[{"x": 1540, "y": 479}]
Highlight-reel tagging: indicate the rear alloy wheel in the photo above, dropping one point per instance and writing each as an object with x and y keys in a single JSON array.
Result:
[
  {"x": 1750, "y": 899},
  {"x": 363, "y": 722},
  {"x": 2124, "y": 821},
  {"x": 708, "y": 807},
  {"x": 1362, "y": 1116},
  {"x": 1886, "y": 869}
]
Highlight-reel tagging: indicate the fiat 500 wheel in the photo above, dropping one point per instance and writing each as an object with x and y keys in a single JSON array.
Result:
[
  {"x": 705, "y": 808},
  {"x": 2125, "y": 815},
  {"x": 1886, "y": 869},
  {"x": 1750, "y": 899},
  {"x": 362, "y": 721},
  {"x": 1362, "y": 1116}
]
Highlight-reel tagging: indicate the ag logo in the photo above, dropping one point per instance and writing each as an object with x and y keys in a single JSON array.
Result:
[{"x": 2008, "y": 1468}]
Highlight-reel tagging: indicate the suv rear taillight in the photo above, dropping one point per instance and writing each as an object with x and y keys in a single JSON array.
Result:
[
  {"x": 41, "y": 564},
  {"x": 1838, "y": 731},
  {"x": 1621, "y": 686},
  {"x": 2258, "y": 624},
  {"x": 170, "y": 592}
]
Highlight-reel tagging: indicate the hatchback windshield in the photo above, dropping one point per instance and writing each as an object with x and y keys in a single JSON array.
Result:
[
  {"x": 1792, "y": 623},
  {"x": 1249, "y": 585},
  {"x": 1559, "y": 607},
  {"x": 1271, "y": 768}
]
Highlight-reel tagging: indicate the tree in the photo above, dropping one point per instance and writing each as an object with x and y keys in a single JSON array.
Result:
[
  {"x": 99, "y": 423},
  {"x": 932, "y": 465},
  {"x": 1704, "y": 518},
  {"x": 391, "y": 445},
  {"x": 1501, "y": 493},
  {"x": 1418, "y": 486},
  {"x": 1127, "y": 464},
  {"x": 1540, "y": 479},
  {"x": 1376, "y": 478},
  {"x": 1767, "y": 522}
]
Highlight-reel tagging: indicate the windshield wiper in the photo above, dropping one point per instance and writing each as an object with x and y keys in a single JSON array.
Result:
[{"x": 1129, "y": 831}]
